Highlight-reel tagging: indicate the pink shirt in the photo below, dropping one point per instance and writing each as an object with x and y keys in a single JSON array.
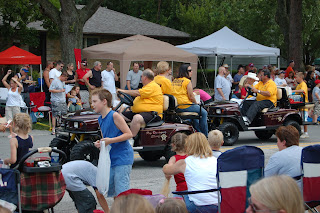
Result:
[{"x": 203, "y": 95}]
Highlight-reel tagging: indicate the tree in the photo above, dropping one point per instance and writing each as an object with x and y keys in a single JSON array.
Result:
[{"x": 70, "y": 21}]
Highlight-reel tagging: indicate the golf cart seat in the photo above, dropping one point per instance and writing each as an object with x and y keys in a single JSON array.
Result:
[
  {"x": 165, "y": 108},
  {"x": 279, "y": 97}
]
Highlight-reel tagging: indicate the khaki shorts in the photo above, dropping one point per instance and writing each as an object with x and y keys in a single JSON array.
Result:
[
  {"x": 11, "y": 111},
  {"x": 317, "y": 108}
]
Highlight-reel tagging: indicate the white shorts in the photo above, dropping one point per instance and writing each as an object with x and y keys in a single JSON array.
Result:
[{"x": 11, "y": 111}]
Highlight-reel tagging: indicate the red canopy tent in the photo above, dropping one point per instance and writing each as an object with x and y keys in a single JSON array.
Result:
[{"x": 16, "y": 55}]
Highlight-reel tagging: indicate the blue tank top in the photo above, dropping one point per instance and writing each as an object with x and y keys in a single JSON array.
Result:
[
  {"x": 23, "y": 148},
  {"x": 121, "y": 153}
]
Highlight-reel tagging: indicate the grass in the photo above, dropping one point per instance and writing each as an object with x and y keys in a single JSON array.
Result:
[{"x": 42, "y": 124}]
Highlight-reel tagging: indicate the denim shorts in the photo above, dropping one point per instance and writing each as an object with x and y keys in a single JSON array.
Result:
[
  {"x": 83, "y": 200},
  {"x": 119, "y": 180}
]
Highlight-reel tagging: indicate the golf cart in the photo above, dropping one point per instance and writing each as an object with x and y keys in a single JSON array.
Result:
[
  {"x": 226, "y": 117},
  {"x": 81, "y": 129}
]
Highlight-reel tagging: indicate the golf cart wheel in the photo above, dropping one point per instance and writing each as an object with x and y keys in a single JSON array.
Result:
[
  {"x": 85, "y": 150},
  {"x": 230, "y": 133},
  {"x": 264, "y": 134},
  {"x": 61, "y": 142},
  {"x": 293, "y": 123},
  {"x": 151, "y": 155}
]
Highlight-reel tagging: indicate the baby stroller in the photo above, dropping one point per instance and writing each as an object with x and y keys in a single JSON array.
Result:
[{"x": 35, "y": 186}]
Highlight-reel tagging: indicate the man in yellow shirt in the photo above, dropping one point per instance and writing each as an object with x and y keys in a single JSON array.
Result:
[
  {"x": 162, "y": 77},
  {"x": 148, "y": 99},
  {"x": 266, "y": 91},
  {"x": 303, "y": 88}
]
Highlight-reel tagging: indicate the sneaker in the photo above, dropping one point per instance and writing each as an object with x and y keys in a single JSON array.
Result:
[{"x": 304, "y": 135}]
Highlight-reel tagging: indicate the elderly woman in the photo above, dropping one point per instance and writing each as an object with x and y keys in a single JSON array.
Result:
[
  {"x": 183, "y": 91},
  {"x": 275, "y": 194},
  {"x": 287, "y": 160},
  {"x": 200, "y": 171}
]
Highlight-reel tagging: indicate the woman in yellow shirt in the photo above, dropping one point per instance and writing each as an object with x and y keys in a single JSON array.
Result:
[{"x": 183, "y": 91}]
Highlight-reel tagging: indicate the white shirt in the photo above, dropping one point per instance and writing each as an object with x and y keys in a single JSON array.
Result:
[
  {"x": 14, "y": 98},
  {"x": 54, "y": 73},
  {"x": 280, "y": 81},
  {"x": 108, "y": 81},
  {"x": 200, "y": 174}
]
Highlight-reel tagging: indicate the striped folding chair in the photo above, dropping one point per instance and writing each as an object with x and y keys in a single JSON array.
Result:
[
  {"x": 310, "y": 160},
  {"x": 237, "y": 170}
]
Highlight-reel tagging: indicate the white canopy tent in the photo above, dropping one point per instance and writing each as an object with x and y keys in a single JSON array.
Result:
[{"x": 227, "y": 43}]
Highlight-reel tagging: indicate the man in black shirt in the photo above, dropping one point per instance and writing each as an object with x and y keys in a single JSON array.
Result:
[{"x": 94, "y": 76}]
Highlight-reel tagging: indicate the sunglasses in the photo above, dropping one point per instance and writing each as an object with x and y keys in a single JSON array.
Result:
[{"x": 189, "y": 70}]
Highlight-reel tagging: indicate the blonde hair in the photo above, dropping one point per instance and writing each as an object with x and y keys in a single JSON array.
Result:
[
  {"x": 132, "y": 203},
  {"x": 172, "y": 205},
  {"x": 22, "y": 123},
  {"x": 198, "y": 145},
  {"x": 215, "y": 138},
  {"x": 278, "y": 193},
  {"x": 179, "y": 141},
  {"x": 300, "y": 74},
  {"x": 162, "y": 67},
  {"x": 69, "y": 65}
]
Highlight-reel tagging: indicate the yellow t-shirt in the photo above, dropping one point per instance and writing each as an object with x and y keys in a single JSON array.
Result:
[
  {"x": 269, "y": 86},
  {"x": 150, "y": 99},
  {"x": 179, "y": 90},
  {"x": 304, "y": 87},
  {"x": 164, "y": 83}
]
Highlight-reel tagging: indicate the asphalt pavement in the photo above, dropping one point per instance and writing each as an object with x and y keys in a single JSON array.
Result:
[{"x": 148, "y": 175}]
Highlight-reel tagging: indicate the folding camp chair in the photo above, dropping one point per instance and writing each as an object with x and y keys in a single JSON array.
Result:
[
  {"x": 237, "y": 169},
  {"x": 10, "y": 188},
  {"x": 310, "y": 160},
  {"x": 38, "y": 99}
]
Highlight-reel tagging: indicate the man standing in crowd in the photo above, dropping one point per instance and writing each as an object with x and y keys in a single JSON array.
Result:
[
  {"x": 56, "y": 72},
  {"x": 280, "y": 81},
  {"x": 46, "y": 78},
  {"x": 58, "y": 98},
  {"x": 238, "y": 77},
  {"x": 134, "y": 77},
  {"x": 83, "y": 88},
  {"x": 228, "y": 75},
  {"x": 266, "y": 97},
  {"x": 222, "y": 87},
  {"x": 109, "y": 77},
  {"x": 290, "y": 68},
  {"x": 94, "y": 76},
  {"x": 148, "y": 99}
]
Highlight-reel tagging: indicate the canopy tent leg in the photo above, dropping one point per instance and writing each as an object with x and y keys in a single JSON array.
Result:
[
  {"x": 278, "y": 62},
  {"x": 203, "y": 74},
  {"x": 41, "y": 77},
  {"x": 216, "y": 66},
  {"x": 231, "y": 65}
]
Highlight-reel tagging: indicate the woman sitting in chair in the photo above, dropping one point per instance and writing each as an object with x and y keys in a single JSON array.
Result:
[
  {"x": 200, "y": 170},
  {"x": 183, "y": 91}
]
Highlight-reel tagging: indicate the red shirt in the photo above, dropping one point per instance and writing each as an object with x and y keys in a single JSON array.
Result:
[
  {"x": 81, "y": 73},
  {"x": 179, "y": 178},
  {"x": 243, "y": 92},
  {"x": 288, "y": 70}
]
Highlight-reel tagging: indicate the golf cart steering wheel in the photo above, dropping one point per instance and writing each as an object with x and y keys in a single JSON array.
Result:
[
  {"x": 125, "y": 98},
  {"x": 249, "y": 91}
]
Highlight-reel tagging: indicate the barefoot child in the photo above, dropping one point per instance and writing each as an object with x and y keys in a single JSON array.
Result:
[
  {"x": 115, "y": 132},
  {"x": 215, "y": 138},
  {"x": 20, "y": 144},
  {"x": 178, "y": 143}
]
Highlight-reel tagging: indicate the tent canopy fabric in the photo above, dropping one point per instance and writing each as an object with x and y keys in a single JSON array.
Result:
[
  {"x": 225, "y": 42},
  {"x": 15, "y": 55},
  {"x": 139, "y": 48}
]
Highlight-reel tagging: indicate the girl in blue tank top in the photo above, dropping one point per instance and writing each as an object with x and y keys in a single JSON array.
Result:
[
  {"x": 115, "y": 133},
  {"x": 20, "y": 144}
]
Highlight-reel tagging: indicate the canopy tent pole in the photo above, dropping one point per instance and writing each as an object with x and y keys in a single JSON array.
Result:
[
  {"x": 216, "y": 66},
  {"x": 278, "y": 62},
  {"x": 203, "y": 74},
  {"x": 231, "y": 66},
  {"x": 41, "y": 77}
]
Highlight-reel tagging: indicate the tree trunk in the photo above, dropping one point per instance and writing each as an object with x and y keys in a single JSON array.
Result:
[
  {"x": 282, "y": 19},
  {"x": 295, "y": 34}
]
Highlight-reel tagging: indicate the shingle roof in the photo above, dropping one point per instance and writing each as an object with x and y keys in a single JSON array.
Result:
[{"x": 106, "y": 21}]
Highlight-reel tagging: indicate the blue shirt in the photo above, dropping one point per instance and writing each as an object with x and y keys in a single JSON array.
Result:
[
  {"x": 237, "y": 78},
  {"x": 121, "y": 153}
]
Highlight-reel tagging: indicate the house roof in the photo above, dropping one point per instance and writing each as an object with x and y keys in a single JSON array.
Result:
[{"x": 106, "y": 21}]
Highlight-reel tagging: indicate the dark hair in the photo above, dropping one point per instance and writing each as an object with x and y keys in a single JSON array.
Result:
[
  {"x": 136, "y": 63},
  {"x": 74, "y": 88},
  {"x": 64, "y": 73},
  {"x": 58, "y": 63},
  {"x": 292, "y": 73},
  {"x": 289, "y": 134},
  {"x": 183, "y": 71},
  {"x": 109, "y": 62},
  {"x": 266, "y": 73},
  {"x": 103, "y": 94},
  {"x": 240, "y": 66},
  {"x": 308, "y": 77},
  {"x": 49, "y": 62}
]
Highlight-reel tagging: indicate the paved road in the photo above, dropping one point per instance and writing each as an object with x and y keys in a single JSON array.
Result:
[{"x": 148, "y": 175}]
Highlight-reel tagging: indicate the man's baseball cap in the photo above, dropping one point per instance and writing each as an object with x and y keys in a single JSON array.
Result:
[
  {"x": 251, "y": 65},
  {"x": 291, "y": 61},
  {"x": 282, "y": 72},
  {"x": 84, "y": 61},
  {"x": 25, "y": 70},
  {"x": 225, "y": 66},
  {"x": 317, "y": 82}
]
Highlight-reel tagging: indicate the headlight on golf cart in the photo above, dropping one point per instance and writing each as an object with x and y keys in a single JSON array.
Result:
[
  {"x": 219, "y": 111},
  {"x": 76, "y": 125}
]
